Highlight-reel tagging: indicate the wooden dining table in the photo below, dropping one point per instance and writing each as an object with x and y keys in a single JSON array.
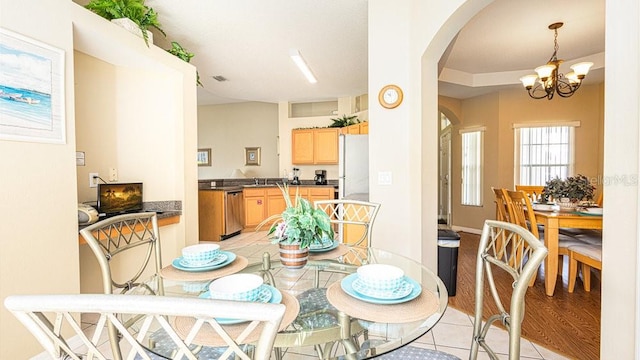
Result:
[{"x": 552, "y": 222}]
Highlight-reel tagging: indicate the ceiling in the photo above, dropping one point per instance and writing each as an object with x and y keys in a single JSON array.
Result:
[{"x": 248, "y": 42}]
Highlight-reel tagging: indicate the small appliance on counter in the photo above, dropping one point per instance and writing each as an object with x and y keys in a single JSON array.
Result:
[
  {"x": 87, "y": 214},
  {"x": 321, "y": 177},
  {"x": 296, "y": 179}
]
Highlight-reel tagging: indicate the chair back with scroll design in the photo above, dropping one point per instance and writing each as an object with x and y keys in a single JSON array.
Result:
[
  {"x": 496, "y": 253},
  {"x": 156, "y": 314},
  {"x": 136, "y": 234},
  {"x": 353, "y": 225}
]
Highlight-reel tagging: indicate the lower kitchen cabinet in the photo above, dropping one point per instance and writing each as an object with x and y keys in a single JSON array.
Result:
[
  {"x": 261, "y": 203},
  {"x": 210, "y": 215}
]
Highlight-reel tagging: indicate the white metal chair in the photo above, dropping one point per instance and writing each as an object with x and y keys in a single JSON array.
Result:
[
  {"x": 157, "y": 314},
  {"x": 135, "y": 234},
  {"x": 353, "y": 223},
  {"x": 515, "y": 250}
]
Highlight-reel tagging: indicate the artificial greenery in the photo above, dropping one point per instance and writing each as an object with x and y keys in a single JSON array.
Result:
[
  {"x": 344, "y": 121},
  {"x": 575, "y": 188},
  {"x": 184, "y": 55},
  {"x": 300, "y": 223},
  {"x": 144, "y": 16}
]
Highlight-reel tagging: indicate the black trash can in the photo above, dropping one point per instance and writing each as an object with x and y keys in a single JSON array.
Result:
[{"x": 448, "y": 245}]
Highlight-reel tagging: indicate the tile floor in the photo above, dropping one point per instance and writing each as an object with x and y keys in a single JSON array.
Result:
[{"x": 452, "y": 334}]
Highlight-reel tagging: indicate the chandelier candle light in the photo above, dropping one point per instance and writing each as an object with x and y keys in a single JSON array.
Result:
[{"x": 550, "y": 80}]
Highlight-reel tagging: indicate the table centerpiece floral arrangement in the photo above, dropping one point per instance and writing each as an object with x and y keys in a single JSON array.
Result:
[
  {"x": 300, "y": 223},
  {"x": 570, "y": 191}
]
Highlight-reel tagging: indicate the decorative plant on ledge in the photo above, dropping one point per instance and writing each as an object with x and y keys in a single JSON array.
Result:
[
  {"x": 184, "y": 55},
  {"x": 135, "y": 10},
  {"x": 575, "y": 188},
  {"x": 344, "y": 121}
]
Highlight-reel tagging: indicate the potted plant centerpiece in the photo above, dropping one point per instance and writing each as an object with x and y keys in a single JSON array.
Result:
[
  {"x": 570, "y": 191},
  {"x": 123, "y": 12},
  {"x": 296, "y": 228}
]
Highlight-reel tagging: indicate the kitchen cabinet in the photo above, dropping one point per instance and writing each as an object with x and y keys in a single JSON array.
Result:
[
  {"x": 210, "y": 215},
  {"x": 356, "y": 129},
  {"x": 314, "y": 146},
  {"x": 264, "y": 202},
  {"x": 254, "y": 207}
]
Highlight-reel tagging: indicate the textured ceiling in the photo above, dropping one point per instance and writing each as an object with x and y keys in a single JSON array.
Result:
[{"x": 248, "y": 42}]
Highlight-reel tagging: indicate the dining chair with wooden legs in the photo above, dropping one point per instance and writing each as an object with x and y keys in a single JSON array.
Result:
[
  {"x": 521, "y": 210},
  {"x": 532, "y": 191},
  {"x": 588, "y": 256},
  {"x": 489, "y": 260}
]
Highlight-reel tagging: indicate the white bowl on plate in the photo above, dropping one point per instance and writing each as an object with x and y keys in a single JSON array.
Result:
[
  {"x": 380, "y": 277},
  {"x": 200, "y": 254},
  {"x": 593, "y": 210},
  {"x": 239, "y": 287}
]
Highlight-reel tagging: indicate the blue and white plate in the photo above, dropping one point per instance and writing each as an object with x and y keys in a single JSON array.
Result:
[
  {"x": 268, "y": 294},
  {"x": 403, "y": 290},
  {"x": 329, "y": 247},
  {"x": 219, "y": 259},
  {"x": 347, "y": 286},
  {"x": 230, "y": 258}
]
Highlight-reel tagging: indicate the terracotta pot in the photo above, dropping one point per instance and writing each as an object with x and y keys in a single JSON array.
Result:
[{"x": 292, "y": 257}]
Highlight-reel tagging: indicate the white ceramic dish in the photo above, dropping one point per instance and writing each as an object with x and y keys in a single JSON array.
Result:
[
  {"x": 239, "y": 287},
  {"x": 380, "y": 277},
  {"x": 591, "y": 210},
  {"x": 200, "y": 254}
]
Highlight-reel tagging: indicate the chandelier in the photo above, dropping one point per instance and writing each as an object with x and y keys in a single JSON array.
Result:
[{"x": 549, "y": 79}]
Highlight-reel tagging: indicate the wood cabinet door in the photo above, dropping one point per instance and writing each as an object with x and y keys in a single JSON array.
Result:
[
  {"x": 302, "y": 146},
  {"x": 210, "y": 215},
  {"x": 254, "y": 207},
  {"x": 364, "y": 127},
  {"x": 325, "y": 146},
  {"x": 324, "y": 193}
]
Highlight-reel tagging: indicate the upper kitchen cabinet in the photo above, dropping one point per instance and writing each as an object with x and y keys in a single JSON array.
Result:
[
  {"x": 356, "y": 129},
  {"x": 314, "y": 146}
]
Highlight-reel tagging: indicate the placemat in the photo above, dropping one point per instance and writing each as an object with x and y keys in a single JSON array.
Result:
[
  {"x": 331, "y": 254},
  {"x": 417, "y": 309},
  {"x": 209, "y": 337},
  {"x": 171, "y": 273}
]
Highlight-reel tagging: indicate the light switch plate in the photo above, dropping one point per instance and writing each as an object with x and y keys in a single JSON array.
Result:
[
  {"x": 113, "y": 174},
  {"x": 385, "y": 178}
]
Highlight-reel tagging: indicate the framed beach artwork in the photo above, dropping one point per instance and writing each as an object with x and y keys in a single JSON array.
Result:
[{"x": 31, "y": 90}]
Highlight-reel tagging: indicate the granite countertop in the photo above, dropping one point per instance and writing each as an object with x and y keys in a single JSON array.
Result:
[{"x": 259, "y": 186}]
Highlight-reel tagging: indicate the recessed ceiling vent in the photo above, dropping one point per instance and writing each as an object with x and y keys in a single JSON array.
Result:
[{"x": 220, "y": 78}]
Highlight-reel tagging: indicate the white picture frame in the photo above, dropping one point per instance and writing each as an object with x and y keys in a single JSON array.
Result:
[{"x": 31, "y": 90}]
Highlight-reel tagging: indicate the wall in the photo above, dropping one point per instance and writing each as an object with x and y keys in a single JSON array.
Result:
[
  {"x": 498, "y": 112},
  {"x": 38, "y": 230},
  {"x": 228, "y": 129},
  {"x": 40, "y": 186}
]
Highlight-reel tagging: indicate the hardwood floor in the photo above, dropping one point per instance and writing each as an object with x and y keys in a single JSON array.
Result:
[{"x": 568, "y": 324}]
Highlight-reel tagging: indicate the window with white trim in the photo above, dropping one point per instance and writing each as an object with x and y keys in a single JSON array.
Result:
[
  {"x": 472, "y": 164},
  {"x": 543, "y": 153}
]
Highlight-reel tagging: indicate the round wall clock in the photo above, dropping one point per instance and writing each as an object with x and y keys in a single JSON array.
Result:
[{"x": 390, "y": 96}]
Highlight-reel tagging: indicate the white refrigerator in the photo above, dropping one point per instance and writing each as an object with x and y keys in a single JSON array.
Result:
[{"x": 353, "y": 167}]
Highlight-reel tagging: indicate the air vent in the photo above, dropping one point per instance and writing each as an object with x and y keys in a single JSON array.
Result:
[{"x": 220, "y": 78}]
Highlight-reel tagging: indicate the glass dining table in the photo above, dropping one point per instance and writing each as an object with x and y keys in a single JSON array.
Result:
[{"x": 325, "y": 314}]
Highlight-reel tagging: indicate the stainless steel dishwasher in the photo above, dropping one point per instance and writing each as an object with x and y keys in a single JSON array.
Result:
[{"x": 233, "y": 209}]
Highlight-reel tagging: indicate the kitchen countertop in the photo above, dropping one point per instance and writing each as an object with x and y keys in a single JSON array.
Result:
[{"x": 241, "y": 187}]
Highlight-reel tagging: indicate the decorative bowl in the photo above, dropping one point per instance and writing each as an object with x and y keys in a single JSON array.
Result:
[
  {"x": 380, "y": 277},
  {"x": 239, "y": 287},
  {"x": 200, "y": 254}
]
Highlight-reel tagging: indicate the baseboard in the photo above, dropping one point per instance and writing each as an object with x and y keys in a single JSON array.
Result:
[{"x": 466, "y": 229}]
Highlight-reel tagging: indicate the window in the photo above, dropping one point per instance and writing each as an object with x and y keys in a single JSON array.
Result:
[
  {"x": 472, "y": 167},
  {"x": 543, "y": 153}
]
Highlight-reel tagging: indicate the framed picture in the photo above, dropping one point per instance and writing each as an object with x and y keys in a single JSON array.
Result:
[
  {"x": 31, "y": 90},
  {"x": 204, "y": 157},
  {"x": 252, "y": 156}
]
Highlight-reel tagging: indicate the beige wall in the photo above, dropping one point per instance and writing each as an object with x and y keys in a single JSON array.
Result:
[
  {"x": 498, "y": 112},
  {"x": 41, "y": 184},
  {"x": 228, "y": 129}
]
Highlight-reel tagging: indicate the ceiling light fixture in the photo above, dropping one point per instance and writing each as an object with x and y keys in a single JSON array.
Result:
[
  {"x": 550, "y": 80},
  {"x": 302, "y": 65}
]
